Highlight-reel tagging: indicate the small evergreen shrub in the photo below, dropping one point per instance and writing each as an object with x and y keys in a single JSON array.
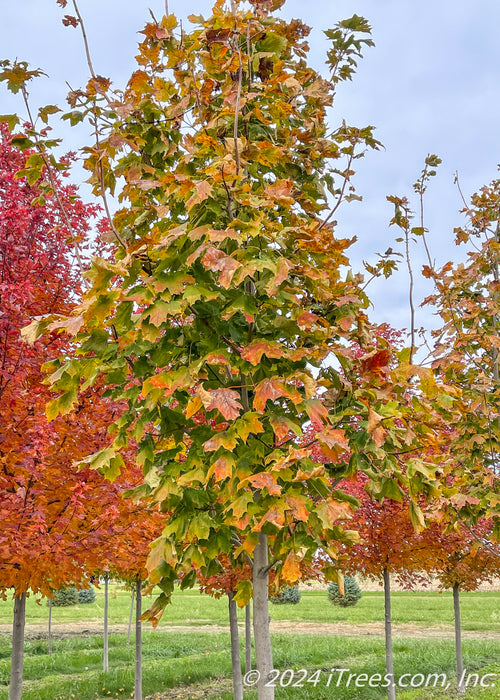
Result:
[
  {"x": 352, "y": 593},
  {"x": 65, "y": 597},
  {"x": 86, "y": 595},
  {"x": 287, "y": 596}
]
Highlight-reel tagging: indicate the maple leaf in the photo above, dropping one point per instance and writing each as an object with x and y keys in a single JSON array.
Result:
[
  {"x": 317, "y": 412},
  {"x": 376, "y": 362},
  {"x": 217, "y": 261},
  {"x": 274, "y": 516},
  {"x": 70, "y": 21},
  {"x": 331, "y": 511},
  {"x": 225, "y": 439},
  {"x": 282, "y": 426},
  {"x": 334, "y": 439},
  {"x": 298, "y": 507},
  {"x": 280, "y": 191},
  {"x": 291, "y": 568},
  {"x": 306, "y": 320},
  {"x": 248, "y": 424},
  {"x": 282, "y": 270},
  {"x": 272, "y": 389},
  {"x": 226, "y": 401},
  {"x": 193, "y": 406},
  {"x": 265, "y": 480},
  {"x": 223, "y": 467},
  {"x": 203, "y": 191},
  {"x": 253, "y": 352}
]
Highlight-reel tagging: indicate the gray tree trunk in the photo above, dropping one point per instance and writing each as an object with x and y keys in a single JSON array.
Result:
[
  {"x": 138, "y": 640},
  {"x": 458, "y": 641},
  {"x": 131, "y": 613},
  {"x": 50, "y": 626},
  {"x": 261, "y": 632},
  {"x": 16, "y": 674},
  {"x": 235, "y": 648},
  {"x": 389, "y": 660},
  {"x": 105, "y": 662},
  {"x": 248, "y": 638}
]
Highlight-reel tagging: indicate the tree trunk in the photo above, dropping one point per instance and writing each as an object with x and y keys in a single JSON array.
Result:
[
  {"x": 261, "y": 633},
  {"x": 235, "y": 649},
  {"x": 248, "y": 638},
  {"x": 131, "y": 613},
  {"x": 50, "y": 626},
  {"x": 16, "y": 674},
  {"x": 138, "y": 641},
  {"x": 458, "y": 641},
  {"x": 389, "y": 661},
  {"x": 105, "y": 663}
]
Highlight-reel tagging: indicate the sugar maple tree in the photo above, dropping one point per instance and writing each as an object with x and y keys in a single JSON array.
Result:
[{"x": 227, "y": 293}]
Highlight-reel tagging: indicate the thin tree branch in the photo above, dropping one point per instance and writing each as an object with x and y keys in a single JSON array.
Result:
[{"x": 71, "y": 230}]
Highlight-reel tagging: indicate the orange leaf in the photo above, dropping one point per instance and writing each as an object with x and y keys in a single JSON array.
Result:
[
  {"x": 222, "y": 468},
  {"x": 265, "y": 480},
  {"x": 291, "y": 568},
  {"x": 376, "y": 362},
  {"x": 217, "y": 261},
  {"x": 253, "y": 352},
  {"x": 226, "y": 401},
  {"x": 297, "y": 504},
  {"x": 332, "y": 437},
  {"x": 225, "y": 439},
  {"x": 317, "y": 412},
  {"x": 274, "y": 516},
  {"x": 330, "y": 511},
  {"x": 203, "y": 191},
  {"x": 306, "y": 320},
  {"x": 272, "y": 389},
  {"x": 282, "y": 425}
]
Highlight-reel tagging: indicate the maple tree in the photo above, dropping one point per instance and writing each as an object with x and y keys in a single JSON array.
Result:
[
  {"x": 50, "y": 519},
  {"x": 461, "y": 561},
  {"x": 390, "y": 545},
  {"x": 224, "y": 296},
  {"x": 465, "y": 352},
  {"x": 58, "y": 522}
]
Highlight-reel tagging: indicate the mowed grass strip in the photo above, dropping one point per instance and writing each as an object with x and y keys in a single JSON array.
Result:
[
  {"x": 183, "y": 661},
  {"x": 191, "y": 608}
]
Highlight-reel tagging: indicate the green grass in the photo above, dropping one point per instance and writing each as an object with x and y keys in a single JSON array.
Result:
[
  {"x": 202, "y": 659},
  {"x": 479, "y": 610},
  {"x": 172, "y": 660}
]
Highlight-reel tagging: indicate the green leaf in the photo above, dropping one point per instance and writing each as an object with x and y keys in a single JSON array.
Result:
[
  {"x": 273, "y": 43},
  {"x": 416, "y": 516},
  {"x": 45, "y": 111},
  {"x": 12, "y": 120},
  {"x": 244, "y": 592}
]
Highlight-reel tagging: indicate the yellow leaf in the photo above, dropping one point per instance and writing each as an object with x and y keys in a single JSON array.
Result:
[{"x": 193, "y": 406}]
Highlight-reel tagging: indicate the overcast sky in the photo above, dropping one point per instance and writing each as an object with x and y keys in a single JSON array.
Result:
[{"x": 430, "y": 85}]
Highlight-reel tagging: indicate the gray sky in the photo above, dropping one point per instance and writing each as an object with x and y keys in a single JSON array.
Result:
[{"x": 431, "y": 85}]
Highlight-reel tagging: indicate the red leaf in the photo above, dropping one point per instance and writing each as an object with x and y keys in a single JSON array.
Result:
[
  {"x": 70, "y": 21},
  {"x": 376, "y": 362}
]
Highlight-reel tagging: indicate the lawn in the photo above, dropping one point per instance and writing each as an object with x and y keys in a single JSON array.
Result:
[
  {"x": 479, "y": 610},
  {"x": 200, "y": 660}
]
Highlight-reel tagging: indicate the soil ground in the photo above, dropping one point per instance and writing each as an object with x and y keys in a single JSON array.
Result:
[{"x": 38, "y": 631}]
